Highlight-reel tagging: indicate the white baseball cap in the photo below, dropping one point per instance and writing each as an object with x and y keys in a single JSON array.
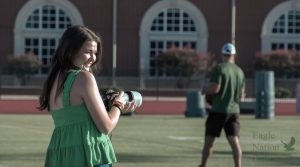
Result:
[{"x": 229, "y": 49}]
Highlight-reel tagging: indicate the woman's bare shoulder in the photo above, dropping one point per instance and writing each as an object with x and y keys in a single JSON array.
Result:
[
  {"x": 85, "y": 77},
  {"x": 84, "y": 80}
]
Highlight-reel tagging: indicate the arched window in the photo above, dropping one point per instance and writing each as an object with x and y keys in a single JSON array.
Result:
[
  {"x": 48, "y": 17},
  {"x": 41, "y": 22},
  {"x": 288, "y": 24},
  {"x": 39, "y": 27},
  {"x": 168, "y": 24},
  {"x": 281, "y": 28},
  {"x": 173, "y": 20}
]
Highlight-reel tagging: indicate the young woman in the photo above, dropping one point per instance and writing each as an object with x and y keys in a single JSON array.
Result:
[{"x": 71, "y": 95}]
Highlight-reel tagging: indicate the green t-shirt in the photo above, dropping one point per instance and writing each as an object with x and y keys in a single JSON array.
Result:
[{"x": 232, "y": 81}]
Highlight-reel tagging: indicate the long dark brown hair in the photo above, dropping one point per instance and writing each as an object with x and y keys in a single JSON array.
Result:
[{"x": 68, "y": 48}]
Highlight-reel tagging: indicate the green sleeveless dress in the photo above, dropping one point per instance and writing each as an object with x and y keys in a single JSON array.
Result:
[{"x": 76, "y": 141}]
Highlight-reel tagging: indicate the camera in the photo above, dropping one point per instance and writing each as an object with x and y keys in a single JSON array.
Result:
[
  {"x": 108, "y": 95},
  {"x": 133, "y": 96}
]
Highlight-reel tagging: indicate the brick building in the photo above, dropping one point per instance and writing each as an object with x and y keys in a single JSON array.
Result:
[{"x": 144, "y": 28}]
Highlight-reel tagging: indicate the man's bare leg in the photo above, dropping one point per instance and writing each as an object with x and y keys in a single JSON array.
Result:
[
  {"x": 207, "y": 150},
  {"x": 236, "y": 150}
]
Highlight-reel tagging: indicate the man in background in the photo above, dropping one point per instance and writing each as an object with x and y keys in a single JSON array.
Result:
[{"x": 225, "y": 89}]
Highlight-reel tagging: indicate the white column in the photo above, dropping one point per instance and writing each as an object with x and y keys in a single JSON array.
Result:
[
  {"x": 114, "y": 46},
  {"x": 233, "y": 19}
]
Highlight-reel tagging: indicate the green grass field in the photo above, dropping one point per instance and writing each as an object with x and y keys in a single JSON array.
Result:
[{"x": 162, "y": 141}]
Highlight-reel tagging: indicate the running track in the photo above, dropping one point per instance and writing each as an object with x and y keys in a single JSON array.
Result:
[{"x": 150, "y": 106}]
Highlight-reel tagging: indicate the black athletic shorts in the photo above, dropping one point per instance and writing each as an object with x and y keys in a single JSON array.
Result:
[{"x": 215, "y": 122}]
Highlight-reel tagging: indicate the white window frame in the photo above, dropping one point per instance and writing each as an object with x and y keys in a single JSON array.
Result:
[
  {"x": 201, "y": 35},
  {"x": 21, "y": 32},
  {"x": 267, "y": 37}
]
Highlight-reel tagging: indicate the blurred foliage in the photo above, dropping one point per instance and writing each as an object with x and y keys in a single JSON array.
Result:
[
  {"x": 23, "y": 66},
  {"x": 281, "y": 92},
  {"x": 184, "y": 63},
  {"x": 284, "y": 63}
]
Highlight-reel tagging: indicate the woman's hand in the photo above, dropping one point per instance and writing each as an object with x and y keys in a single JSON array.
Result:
[
  {"x": 129, "y": 107},
  {"x": 125, "y": 107},
  {"x": 119, "y": 101}
]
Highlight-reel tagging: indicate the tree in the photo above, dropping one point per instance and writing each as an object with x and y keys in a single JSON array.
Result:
[
  {"x": 24, "y": 66},
  {"x": 184, "y": 64},
  {"x": 284, "y": 63}
]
